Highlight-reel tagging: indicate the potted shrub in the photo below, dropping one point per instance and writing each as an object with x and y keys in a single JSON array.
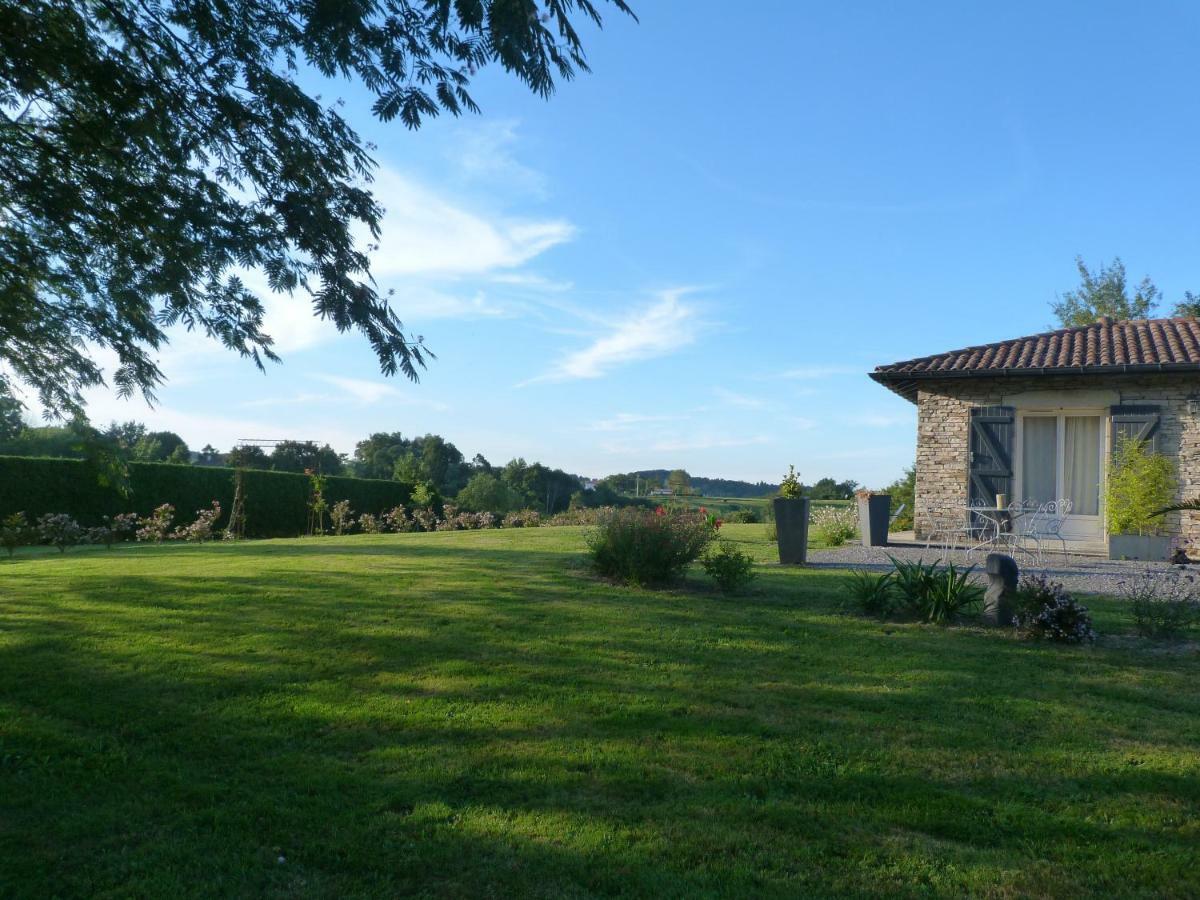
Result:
[
  {"x": 1141, "y": 483},
  {"x": 874, "y": 512},
  {"x": 791, "y": 521}
]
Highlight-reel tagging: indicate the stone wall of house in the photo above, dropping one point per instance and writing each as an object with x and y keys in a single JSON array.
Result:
[{"x": 943, "y": 430}]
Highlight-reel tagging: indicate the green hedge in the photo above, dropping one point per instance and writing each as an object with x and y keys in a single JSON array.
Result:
[{"x": 276, "y": 502}]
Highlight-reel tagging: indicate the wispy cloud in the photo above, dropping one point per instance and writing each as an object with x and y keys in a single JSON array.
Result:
[
  {"x": 368, "y": 393},
  {"x": 659, "y": 329},
  {"x": 741, "y": 400},
  {"x": 629, "y": 421},
  {"x": 681, "y": 443},
  {"x": 425, "y": 233}
]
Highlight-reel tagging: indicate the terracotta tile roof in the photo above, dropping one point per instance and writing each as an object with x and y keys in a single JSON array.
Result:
[{"x": 1104, "y": 347}]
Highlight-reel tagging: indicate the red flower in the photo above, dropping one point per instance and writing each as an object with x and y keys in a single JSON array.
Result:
[
  {"x": 703, "y": 511},
  {"x": 660, "y": 512}
]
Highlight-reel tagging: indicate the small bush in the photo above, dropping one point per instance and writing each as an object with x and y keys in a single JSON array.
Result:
[
  {"x": 59, "y": 530},
  {"x": 524, "y": 518},
  {"x": 156, "y": 526},
  {"x": 424, "y": 519},
  {"x": 369, "y": 524},
  {"x": 833, "y": 525},
  {"x": 1163, "y": 604},
  {"x": 743, "y": 517},
  {"x": 398, "y": 520},
  {"x": 914, "y": 581},
  {"x": 648, "y": 548},
  {"x": 14, "y": 532},
  {"x": 1045, "y": 611},
  {"x": 949, "y": 593},
  {"x": 869, "y": 593},
  {"x": 729, "y": 567},
  {"x": 203, "y": 528},
  {"x": 341, "y": 517}
]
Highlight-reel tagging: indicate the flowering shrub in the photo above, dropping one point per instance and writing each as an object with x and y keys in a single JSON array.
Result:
[
  {"x": 156, "y": 526},
  {"x": 203, "y": 528},
  {"x": 369, "y": 524},
  {"x": 424, "y": 519},
  {"x": 1045, "y": 610},
  {"x": 123, "y": 526},
  {"x": 486, "y": 520},
  {"x": 729, "y": 567},
  {"x": 341, "y": 517},
  {"x": 398, "y": 520},
  {"x": 833, "y": 525},
  {"x": 59, "y": 530},
  {"x": 14, "y": 531},
  {"x": 525, "y": 518},
  {"x": 1163, "y": 604},
  {"x": 582, "y": 516},
  {"x": 648, "y": 548},
  {"x": 450, "y": 519}
]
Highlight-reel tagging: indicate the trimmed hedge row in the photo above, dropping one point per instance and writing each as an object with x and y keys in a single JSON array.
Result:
[{"x": 276, "y": 502}]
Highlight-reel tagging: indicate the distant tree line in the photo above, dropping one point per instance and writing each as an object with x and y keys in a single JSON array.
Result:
[{"x": 678, "y": 481}]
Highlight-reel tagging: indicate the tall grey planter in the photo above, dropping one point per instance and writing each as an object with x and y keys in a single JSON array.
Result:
[
  {"x": 873, "y": 514},
  {"x": 791, "y": 530}
]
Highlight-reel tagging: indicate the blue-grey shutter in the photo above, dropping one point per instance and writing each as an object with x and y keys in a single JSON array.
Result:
[
  {"x": 1137, "y": 422},
  {"x": 993, "y": 429}
]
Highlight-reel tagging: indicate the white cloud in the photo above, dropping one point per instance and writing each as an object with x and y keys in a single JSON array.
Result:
[
  {"x": 678, "y": 444},
  {"x": 629, "y": 421},
  {"x": 482, "y": 151},
  {"x": 423, "y": 233},
  {"x": 657, "y": 330},
  {"x": 741, "y": 400},
  {"x": 368, "y": 393}
]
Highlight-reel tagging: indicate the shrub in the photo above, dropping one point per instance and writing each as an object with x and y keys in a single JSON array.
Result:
[
  {"x": 398, "y": 520},
  {"x": 59, "y": 530},
  {"x": 203, "y": 528},
  {"x": 647, "y": 548},
  {"x": 870, "y": 593},
  {"x": 341, "y": 517},
  {"x": 425, "y": 519},
  {"x": 903, "y": 493},
  {"x": 485, "y": 520},
  {"x": 524, "y": 518},
  {"x": 743, "y": 517},
  {"x": 833, "y": 525},
  {"x": 369, "y": 524},
  {"x": 1162, "y": 604},
  {"x": 1044, "y": 610},
  {"x": 14, "y": 532},
  {"x": 156, "y": 526},
  {"x": 791, "y": 488},
  {"x": 729, "y": 567},
  {"x": 1140, "y": 484}
]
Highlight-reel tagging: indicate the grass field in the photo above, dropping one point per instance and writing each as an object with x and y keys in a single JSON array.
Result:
[
  {"x": 471, "y": 713},
  {"x": 722, "y": 506}
]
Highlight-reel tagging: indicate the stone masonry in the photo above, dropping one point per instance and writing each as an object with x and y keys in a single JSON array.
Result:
[{"x": 943, "y": 430}]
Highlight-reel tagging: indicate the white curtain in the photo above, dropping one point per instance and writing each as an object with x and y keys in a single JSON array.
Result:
[
  {"x": 1081, "y": 465},
  {"x": 1039, "y": 458}
]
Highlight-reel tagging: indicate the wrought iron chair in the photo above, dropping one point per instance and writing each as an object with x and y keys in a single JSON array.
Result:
[
  {"x": 945, "y": 528},
  {"x": 1045, "y": 525}
]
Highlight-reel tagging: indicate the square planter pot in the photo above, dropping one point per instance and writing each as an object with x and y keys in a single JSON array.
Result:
[
  {"x": 791, "y": 530},
  {"x": 873, "y": 514},
  {"x": 1148, "y": 547}
]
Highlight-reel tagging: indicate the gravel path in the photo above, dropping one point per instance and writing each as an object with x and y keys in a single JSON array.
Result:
[{"x": 1079, "y": 574}]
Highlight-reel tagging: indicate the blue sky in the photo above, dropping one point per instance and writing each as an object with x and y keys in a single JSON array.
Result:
[{"x": 692, "y": 256}]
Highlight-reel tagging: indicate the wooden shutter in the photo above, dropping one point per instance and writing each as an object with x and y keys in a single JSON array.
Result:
[
  {"x": 991, "y": 448},
  {"x": 1137, "y": 422}
]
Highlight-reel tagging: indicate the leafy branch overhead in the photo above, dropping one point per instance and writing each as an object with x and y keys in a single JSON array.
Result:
[{"x": 153, "y": 151}]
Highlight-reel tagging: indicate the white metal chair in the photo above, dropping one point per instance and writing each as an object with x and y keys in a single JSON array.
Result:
[
  {"x": 948, "y": 526},
  {"x": 1045, "y": 525}
]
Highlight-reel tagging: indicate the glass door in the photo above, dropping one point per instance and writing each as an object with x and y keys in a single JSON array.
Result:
[{"x": 1062, "y": 459}]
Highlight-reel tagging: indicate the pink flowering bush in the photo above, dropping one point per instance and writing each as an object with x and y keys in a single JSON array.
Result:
[{"x": 156, "y": 527}]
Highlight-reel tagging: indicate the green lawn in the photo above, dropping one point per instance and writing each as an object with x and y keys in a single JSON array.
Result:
[{"x": 466, "y": 714}]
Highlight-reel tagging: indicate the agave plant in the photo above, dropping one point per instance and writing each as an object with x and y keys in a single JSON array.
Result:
[
  {"x": 950, "y": 591},
  {"x": 914, "y": 580},
  {"x": 869, "y": 592}
]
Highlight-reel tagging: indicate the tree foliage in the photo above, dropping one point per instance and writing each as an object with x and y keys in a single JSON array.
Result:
[
  {"x": 154, "y": 151},
  {"x": 1105, "y": 293}
]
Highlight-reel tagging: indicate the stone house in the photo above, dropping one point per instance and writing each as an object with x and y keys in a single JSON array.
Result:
[{"x": 1038, "y": 417}]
